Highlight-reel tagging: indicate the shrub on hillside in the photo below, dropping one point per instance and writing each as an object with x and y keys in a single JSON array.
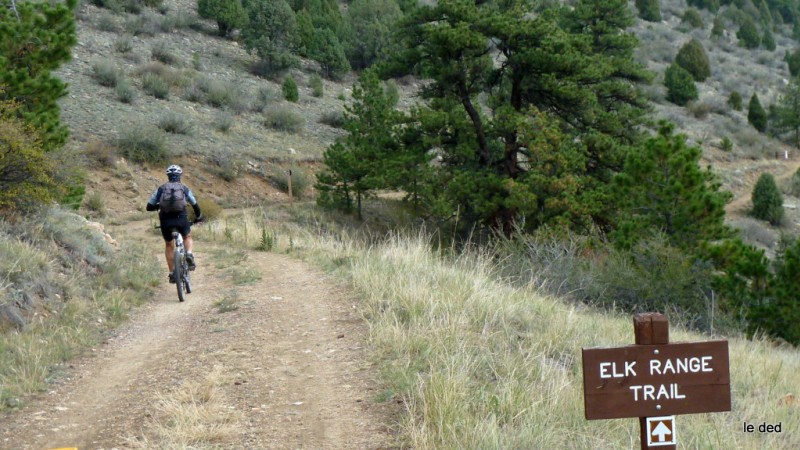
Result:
[
  {"x": 649, "y": 10},
  {"x": 756, "y": 114},
  {"x": 160, "y": 51},
  {"x": 143, "y": 145},
  {"x": 315, "y": 83},
  {"x": 793, "y": 60},
  {"x": 693, "y": 58},
  {"x": 768, "y": 40},
  {"x": 155, "y": 85},
  {"x": 748, "y": 34},
  {"x": 283, "y": 119},
  {"x": 710, "y": 5},
  {"x": 718, "y": 29},
  {"x": 735, "y": 101},
  {"x": 333, "y": 119},
  {"x": 123, "y": 44},
  {"x": 289, "y": 89},
  {"x": 100, "y": 154},
  {"x": 211, "y": 209},
  {"x": 680, "y": 85},
  {"x": 106, "y": 73},
  {"x": 692, "y": 18},
  {"x": 767, "y": 200},
  {"x": 223, "y": 121},
  {"x": 173, "y": 122},
  {"x": 126, "y": 93}
]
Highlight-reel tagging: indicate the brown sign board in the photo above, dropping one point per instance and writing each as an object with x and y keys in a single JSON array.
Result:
[{"x": 656, "y": 380}]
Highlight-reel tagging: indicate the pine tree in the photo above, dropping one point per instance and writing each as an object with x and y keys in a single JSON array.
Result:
[
  {"x": 229, "y": 14},
  {"x": 768, "y": 40},
  {"x": 718, "y": 28},
  {"x": 793, "y": 60},
  {"x": 735, "y": 101},
  {"x": 570, "y": 71},
  {"x": 35, "y": 40},
  {"x": 26, "y": 173},
  {"x": 369, "y": 36},
  {"x": 664, "y": 189},
  {"x": 272, "y": 33},
  {"x": 748, "y": 34},
  {"x": 680, "y": 85},
  {"x": 756, "y": 114},
  {"x": 356, "y": 164},
  {"x": 693, "y": 58},
  {"x": 788, "y": 111},
  {"x": 767, "y": 200},
  {"x": 649, "y": 10},
  {"x": 289, "y": 89},
  {"x": 692, "y": 18},
  {"x": 328, "y": 52}
]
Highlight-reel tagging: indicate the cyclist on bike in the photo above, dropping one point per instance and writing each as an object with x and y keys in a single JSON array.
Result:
[{"x": 170, "y": 200}]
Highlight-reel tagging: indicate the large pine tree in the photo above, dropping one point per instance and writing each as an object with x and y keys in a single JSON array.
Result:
[{"x": 35, "y": 38}]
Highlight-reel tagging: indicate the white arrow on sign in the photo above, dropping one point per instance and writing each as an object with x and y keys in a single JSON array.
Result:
[{"x": 661, "y": 431}]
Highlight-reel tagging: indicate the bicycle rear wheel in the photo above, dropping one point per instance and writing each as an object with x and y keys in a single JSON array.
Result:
[{"x": 177, "y": 273}]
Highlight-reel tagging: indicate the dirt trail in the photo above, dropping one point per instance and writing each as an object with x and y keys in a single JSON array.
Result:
[
  {"x": 285, "y": 367},
  {"x": 782, "y": 170}
]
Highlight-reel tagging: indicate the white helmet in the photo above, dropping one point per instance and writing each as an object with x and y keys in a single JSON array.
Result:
[{"x": 174, "y": 170}]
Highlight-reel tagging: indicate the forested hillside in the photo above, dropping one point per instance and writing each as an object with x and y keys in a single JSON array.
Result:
[{"x": 629, "y": 156}]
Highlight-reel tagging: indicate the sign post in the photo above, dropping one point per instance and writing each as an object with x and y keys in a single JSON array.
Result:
[{"x": 655, "y": 379}]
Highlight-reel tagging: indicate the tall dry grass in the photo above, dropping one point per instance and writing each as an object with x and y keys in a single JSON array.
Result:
[{"x": 479, "y": 362}]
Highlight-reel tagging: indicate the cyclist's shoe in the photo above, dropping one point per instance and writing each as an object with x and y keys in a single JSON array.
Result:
[
  {"x": 172, "y": 278},
  {"x": 190, "y": 261}
]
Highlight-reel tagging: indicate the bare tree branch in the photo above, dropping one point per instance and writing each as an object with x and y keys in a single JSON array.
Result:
[{"x": 14, "y": 7}]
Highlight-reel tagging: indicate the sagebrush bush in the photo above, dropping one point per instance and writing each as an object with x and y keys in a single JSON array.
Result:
[
  {"x": 173, "y": 122},
  {"x": 123, "y": 44},
  {"x": 264, "y": 97},
  {"x": 289, "y": 89},
  {"x": 223, "y": 121},
  {"x": 144, "y": 145},
  {"x": 333, "y": 119},
  {"x": 226, "y": 165},
  {"x": 767, "y": 200},
  {"x": 107, "y": 23},
  {"x": 284, "y": 119},
  {"x": 100, "y": 154},
  {"x": 160, "y": 51},
  {"x": 155, "y": 85},
  {"x": 126, "y": 93},
  {"x": 106, "y": 73}
]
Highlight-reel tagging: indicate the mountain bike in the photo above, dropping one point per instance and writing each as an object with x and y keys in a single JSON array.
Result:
[{"x": 180, "y": 271}]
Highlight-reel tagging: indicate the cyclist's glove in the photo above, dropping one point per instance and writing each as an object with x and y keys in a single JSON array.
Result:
[{"x": 199, "y": 218}]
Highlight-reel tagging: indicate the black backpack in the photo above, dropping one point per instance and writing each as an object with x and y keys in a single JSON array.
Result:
[{"x": 173, "y": 198}]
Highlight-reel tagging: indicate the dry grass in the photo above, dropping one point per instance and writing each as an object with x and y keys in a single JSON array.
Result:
[
  {"x": 480, "y": 363},
  {"x": 193, "y": 416}
]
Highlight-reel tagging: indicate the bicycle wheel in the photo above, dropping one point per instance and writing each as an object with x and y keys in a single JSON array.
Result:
[{"x": 177, "y": 272}]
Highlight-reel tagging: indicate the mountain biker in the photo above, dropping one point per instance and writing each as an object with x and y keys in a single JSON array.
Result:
[{"x": 170, "y": 200}]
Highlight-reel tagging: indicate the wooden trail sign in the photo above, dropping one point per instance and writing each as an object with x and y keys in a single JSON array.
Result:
[{"x": 654, "y": 377}]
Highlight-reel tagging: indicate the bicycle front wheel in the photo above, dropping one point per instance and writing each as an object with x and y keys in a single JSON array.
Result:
[{"x": 177, "y": 272}]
